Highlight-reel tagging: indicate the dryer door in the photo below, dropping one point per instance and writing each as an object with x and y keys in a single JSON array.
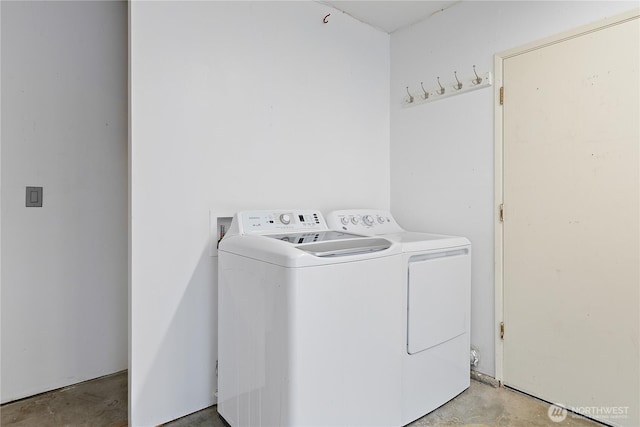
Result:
[{"x": 438, "y": 298}]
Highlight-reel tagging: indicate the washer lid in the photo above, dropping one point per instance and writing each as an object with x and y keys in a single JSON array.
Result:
[
  {"x": 287, "y": 254},
  {"x": 340, "y": 248},
  {"x": 313, "y": 236}
]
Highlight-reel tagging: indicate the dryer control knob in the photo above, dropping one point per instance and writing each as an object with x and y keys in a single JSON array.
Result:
[
  {"x": 355, "y": 220},
  {"x": 344, "y": 220},
  {"x": 368, "y": 220},
  {"x": 380, "y": 219},
  {"x": 285, "y": 218}
]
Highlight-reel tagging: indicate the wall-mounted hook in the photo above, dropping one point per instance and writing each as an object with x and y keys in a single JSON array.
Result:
[
  {"x": 325, "y": 18},
  {"x": 441, "y": 91},
  {"x": 426, "y": 94},
  {"x": 410, "y": 100},
  {"x": 478, "y": 79},
  {"x": 457, "y": 86}
]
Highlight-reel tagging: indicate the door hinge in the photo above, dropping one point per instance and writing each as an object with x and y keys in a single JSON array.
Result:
[
  {"x": 501, "y": 330},
  {"x": 501, "y": 95},
  {"x": 501, "y": 212}
]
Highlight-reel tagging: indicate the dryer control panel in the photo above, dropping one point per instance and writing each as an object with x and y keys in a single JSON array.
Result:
[
  {"x": 279, "y": 221},
  {"x": 368, "y": 221}
]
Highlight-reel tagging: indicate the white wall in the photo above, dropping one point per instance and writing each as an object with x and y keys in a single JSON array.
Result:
[
  {"x": 235, "y": 105},
  {"x": 442, "y": 152},
  {"x": 64, "y": 123}
]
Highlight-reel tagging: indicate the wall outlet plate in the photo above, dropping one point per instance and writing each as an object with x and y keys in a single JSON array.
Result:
[{"x": 34, "y": 197}]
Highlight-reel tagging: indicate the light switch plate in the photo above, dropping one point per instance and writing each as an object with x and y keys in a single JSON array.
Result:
[{"x": 34, "y": 197}]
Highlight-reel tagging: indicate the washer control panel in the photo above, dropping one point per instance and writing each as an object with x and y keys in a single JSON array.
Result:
[
  {"x": 280, "y": 220},
  {"x": 366, "y": 221}
]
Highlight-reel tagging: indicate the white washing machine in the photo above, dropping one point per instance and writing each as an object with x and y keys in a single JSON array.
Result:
[
  {"x": 436, "y": 289},
  {"x": 307, "y": 336}
]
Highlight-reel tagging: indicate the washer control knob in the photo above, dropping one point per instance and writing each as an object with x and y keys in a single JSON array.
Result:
[
  {"x": 285, "y": 218},
  {"x": 368, "y": 220},
  {"x": 380, "y": 219},
  {"x": 355, "y": 220},
  {"x": 344, "y": 220}
]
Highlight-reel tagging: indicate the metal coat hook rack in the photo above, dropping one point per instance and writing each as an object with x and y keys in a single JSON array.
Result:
[{"x": 456, "y": 87}]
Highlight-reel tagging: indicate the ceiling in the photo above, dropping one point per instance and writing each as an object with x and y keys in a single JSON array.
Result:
[{"x": 389, "y": 15}]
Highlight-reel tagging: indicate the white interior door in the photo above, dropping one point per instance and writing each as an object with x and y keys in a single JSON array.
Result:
[{"x": 571, "y": 259}]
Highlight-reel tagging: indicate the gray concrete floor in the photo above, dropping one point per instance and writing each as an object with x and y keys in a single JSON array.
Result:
[
  {"x": 103, "y": 403},
  {"x": 95, "y": 403}
]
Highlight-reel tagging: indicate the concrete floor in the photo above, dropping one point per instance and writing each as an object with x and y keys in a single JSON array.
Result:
[
  {"x": 99, "y": 402},
  {"x": 103, "y": 403}
]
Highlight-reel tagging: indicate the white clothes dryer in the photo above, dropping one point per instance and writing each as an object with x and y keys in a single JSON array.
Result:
[
  {"x": 306, "y": 334},
  {"x": 435, "y": 281}
]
